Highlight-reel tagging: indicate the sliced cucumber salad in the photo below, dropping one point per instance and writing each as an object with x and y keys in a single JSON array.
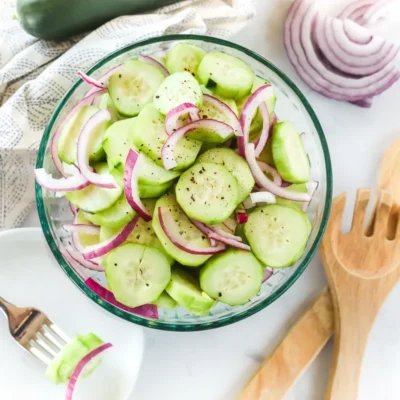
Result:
[{"x": 188, "y": 186}]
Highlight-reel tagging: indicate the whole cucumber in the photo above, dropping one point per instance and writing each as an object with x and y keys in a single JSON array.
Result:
[{"x": 60, "y": 19}]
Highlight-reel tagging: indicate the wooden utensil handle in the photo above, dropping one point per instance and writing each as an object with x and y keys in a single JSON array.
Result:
[{"x": 298, "y": 349}]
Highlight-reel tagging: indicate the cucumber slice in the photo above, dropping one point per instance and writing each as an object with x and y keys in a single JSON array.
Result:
[
  {"x": 176, "y": 89},
  {"x": 117, "y": 141},
  {"x": 68, "y": 140},
  {"x": 230, "y": 102},
  {"x": 114, "y": 217},
  {"x": 233, "y": 277},
  {"x": 277, "y": 234},
  {"x": 134, "y": 86},
  {"x": 107, "y": 103},
  {"x": 153, "y": 191},
  {"x": 93, "y": 199},
  {"x": 86, "y": 239},
  {"x": 64, "y": 363},
  {"x": 184, "y": 57},
  {"x": 289, "y": 154},
  {"x": 150, "y": 136},
  {"x": 165, "y": 301},
  {"x": 207, "y": 192},
  {"x": 257, "y": 122},
  {"x": 137, "y": 274},
  {"x": 184, "y": 289},
  {"x": 189, "y": 231},
  {"x": 232, "y": 77},
  {"x": 236, "y": 165},
  {"x": 300, "y": 188},
  {"x": 152, "y": 174}
]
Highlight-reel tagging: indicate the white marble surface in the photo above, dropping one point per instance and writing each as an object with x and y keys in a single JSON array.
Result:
[{"x": 214, "y": 365}]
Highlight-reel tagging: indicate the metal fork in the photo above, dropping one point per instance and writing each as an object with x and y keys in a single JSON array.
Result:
[{"x": 33, "y": 330}]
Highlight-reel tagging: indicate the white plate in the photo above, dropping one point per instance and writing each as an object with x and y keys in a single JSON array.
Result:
[{"x": 29, "y": 276}]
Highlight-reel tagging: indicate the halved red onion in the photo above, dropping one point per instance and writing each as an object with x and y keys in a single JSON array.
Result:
[
  {"x": 154, "y": 63},
  {"x": 312, "y": 187},
  {"x": 103, "y": 80},
  {"x": 173, "y": 121},
  {"x": 267, "y": 274},
  {"x": 77, "y": 256},
  {"x": 263, "y": 197},
  {"x": 70, "y": 184},
  {"x": 231, "y": 224},
  {"x": 81, "y": 366},
  {"x": 83, "y": 150},
  {"x": 266, "y": 183},
  {"x": 54, "y": 142},
  {"x": 241, "y": 216},
  {"x": 266, "y": 168},
  {"x": 232, "y": 119},
  {"x": 365, "y": 103},
  {"x": 91, "y": 81},
  {"x": 356, "y": 33},
  {"x": 262, "y": 141},
  {"x": 133, "y": 161},
  {"x": 100, "y": 249},
  {"x": 172, "y": 231},
  {"x": 303, "y": 56},
  {"x": 229, "y": 242},
  {"x": 377, "y": 10},
  {"x": 333, "y": 42},
  {"x": 261, "y": 95},
  {"x": 146, "y": 310},
  {"x": 167, "y": 151},
  {"x": 355, "y": 6}
]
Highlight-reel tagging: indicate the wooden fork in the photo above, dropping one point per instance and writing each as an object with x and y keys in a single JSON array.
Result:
[{"x": 356, "y": 265}]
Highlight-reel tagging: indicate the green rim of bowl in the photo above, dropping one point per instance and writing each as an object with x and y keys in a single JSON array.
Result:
[{"x": 189, "y": 326}]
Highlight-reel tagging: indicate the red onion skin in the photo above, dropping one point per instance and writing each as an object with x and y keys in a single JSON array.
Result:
[
  {"x": 241, "y": 217},
  {"x": 90, "y": 81}
]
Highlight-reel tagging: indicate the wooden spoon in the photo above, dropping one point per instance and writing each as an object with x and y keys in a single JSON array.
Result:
[{"x": 311, "y": 332}]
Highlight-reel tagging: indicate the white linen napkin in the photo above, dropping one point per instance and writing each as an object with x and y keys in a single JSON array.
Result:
[{"x": 35, "y": 74}]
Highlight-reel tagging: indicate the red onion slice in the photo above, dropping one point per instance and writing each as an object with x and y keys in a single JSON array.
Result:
[
  {"x": 83, "y": 150},
  {"x": 261, "y": 95},
  {"x": 266, "y": 168},
  {"x": 103, "y": 80},
  {"x": 133, "y": 161},
  {"x": 172, "y": 120},
  {"x": 241, "y": 216},
  {"x": 263, "y": 197},
  {"x": 70, "y": 184},
  {"x": 54, "y": 142},
  {"x": 203, "y": 228},
  {"x": 74, "y": 209},
  {"x": 105, "y": 247},
  {"x": 167, "y": 151},
  {"x": 91, "y": 81},
  {"x": 302, "y": 55},
  {"x": 224, "y": 234},
  {"x": 146, "y": 310},
  {"x": 229, "y": 242},
  {"x": 154, "y": 63},
  {"x": 75, "y": 255},
  {"x": 232, "y": 119},
  {"x": 377, "y": 10},
  {"x": 81, "y": 366},
  {"x": 172, "y": 231},
  {"x": 267, "y": 274},
  {"x": 247, "y": 203},
  {"x": 356, "y": 33},
  {"x": 266, "y": 183}
]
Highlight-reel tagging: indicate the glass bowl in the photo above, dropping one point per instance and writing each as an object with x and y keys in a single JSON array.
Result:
[{"x": 291, "y": 105}]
